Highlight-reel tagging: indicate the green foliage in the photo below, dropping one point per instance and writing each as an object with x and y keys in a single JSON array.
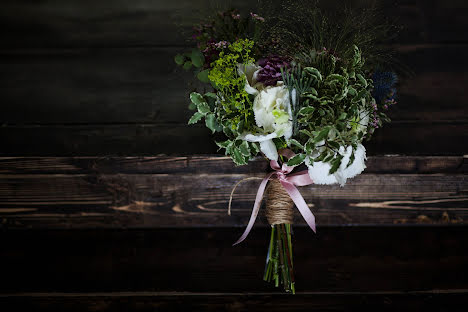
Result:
[
  {"x": 305, "y": 25},
  {"x": 333, "y": 96},
  {"x": 203, "y": 76},
  {"x": 236, "y": 104},
  {"x": 179, "y": 59},
  {"x": 198, "y": 59},
  {"x": 230, "y": 109}
]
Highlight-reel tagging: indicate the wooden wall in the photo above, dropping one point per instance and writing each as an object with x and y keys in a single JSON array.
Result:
[{"x": 94, "y": 218}]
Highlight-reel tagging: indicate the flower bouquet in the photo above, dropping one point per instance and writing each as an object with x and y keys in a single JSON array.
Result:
[{"x": 303, "y": 89}]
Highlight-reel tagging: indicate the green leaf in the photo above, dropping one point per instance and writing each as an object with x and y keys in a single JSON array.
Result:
[
  {"x": 187, "y": 65},
  {"x": 336, "y": 164},
  {"x": 192, "y": 106},
  {"x": 351, "y": 159},
  {"x": 314, "y": 72},
  {"x": 212, "y": 123},
  {"x": 237, "y": 157},
  {"x": 296, "y": 143},
  {"x": 179, "y": 59},
  {"x": 197, "y": 58},
  {"x": 309, "y": 147},
  {"x": 196, "y": 98},
  {"x": 244, "y": 148},
  {"x": 323, "y": 134},
  {"x": 211, "y": 95},
  {"x": 254, "y": 148},
  {"x": 204, "y": 108},
  {"x": 334, "y": 144},
  {"x": 195, "y": 118},
  {"x": 296, "y": 160},
  {"x": 362, "y": 80},
  {"x": 328, "y": 158},
  {"x": 322, "y": 156},
  {"x": 306, "y": 110},
  {"x": 224, "y": 144},
  {"x": 306, "y": 132},
  {"x": 203, "y": 76}
]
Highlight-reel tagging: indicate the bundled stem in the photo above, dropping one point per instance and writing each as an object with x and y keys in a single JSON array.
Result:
[{"x": 279, "y": 263}]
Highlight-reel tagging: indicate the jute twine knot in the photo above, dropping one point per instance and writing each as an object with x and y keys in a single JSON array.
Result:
[{"x": 279, "y": 206}]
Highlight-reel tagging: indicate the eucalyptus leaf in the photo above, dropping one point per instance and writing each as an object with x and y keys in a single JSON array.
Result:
[
  {"x": 179, "y": 59},
  {"x": 187, "y": 65},
  {"x": 203, "y": 76},
  {"x": 197, "y": 57}
]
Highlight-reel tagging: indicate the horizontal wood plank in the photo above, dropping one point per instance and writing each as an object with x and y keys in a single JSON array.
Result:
[
  {"x": 147, "y": 301},
  {"x": 444, "y": 138},
  {"x": 213, "y": 164},
  {"x": 194, "y": 191},
  {"x": 344, "y": 259},
  {"x": 87, "y": 86},
  {"x": 123, "y": 23}
]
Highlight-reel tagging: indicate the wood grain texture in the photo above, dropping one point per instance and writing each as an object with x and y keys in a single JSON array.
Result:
[
  {"x": 86, "y": 23},
  {"x": 177, "y": 139},
  {"x": 148, "y": 301},
  {"x": 143, "y": 85},
  {"x": 194, "y": 191},
  {"x": 336, "y": 259}
]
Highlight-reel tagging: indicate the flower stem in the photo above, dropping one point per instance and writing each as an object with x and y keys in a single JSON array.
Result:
[{"x": 279, "y": 264}]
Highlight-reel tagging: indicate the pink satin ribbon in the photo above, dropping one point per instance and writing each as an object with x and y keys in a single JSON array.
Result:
[{"x": 289, "y": 182}]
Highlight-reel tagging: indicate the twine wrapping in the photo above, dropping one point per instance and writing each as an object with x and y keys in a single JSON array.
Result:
[
  {"x": 288, "y": 182},
  {"x": 279, "y": 206}
]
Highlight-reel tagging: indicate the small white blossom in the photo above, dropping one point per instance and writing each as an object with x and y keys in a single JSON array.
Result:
[{"x": 319, "y": 171}]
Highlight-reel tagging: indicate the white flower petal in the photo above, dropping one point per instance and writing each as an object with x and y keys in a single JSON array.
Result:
[
  {"x": 319, "y": 171},
  {"x": 356, "y": 167},
  {"x": 251, "y": 72},
  {"x": 269, "y": 149},
  {"x": 266, "y": 102},
  {"x": 258, "y": 137}
]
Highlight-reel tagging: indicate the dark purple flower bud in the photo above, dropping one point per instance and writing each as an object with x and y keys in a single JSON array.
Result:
[{"x": 270, "y": 73}]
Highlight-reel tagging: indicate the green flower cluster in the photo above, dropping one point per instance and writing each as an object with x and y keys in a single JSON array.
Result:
[
  {"x": 230, "y": 110},
  {"x": 235, "y": 101}
]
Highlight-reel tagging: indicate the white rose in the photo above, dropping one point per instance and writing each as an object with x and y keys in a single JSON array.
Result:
[
  {"x": 319, "y": 171},
  {"x": 272, "y": 110}
]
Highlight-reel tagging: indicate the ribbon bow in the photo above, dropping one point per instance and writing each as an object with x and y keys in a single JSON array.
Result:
[{"x": 289, "y": 182}]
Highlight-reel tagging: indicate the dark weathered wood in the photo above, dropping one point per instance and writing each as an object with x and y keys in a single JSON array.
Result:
[
  {"x": 72, "y": 23},
  {"x": 143, "y": 85},
  {"x": 445, "y": 138},
  {"x": 336, "y": 259},
  {"x": 149, "y": 301},
  {"x": 194, "y": 191},
  {"x": 213, "y": 164}
]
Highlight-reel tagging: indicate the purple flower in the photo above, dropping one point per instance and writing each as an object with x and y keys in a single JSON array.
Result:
[
  {"x": 270, "y": 73},
  {"x": 257, "y": 17}
]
